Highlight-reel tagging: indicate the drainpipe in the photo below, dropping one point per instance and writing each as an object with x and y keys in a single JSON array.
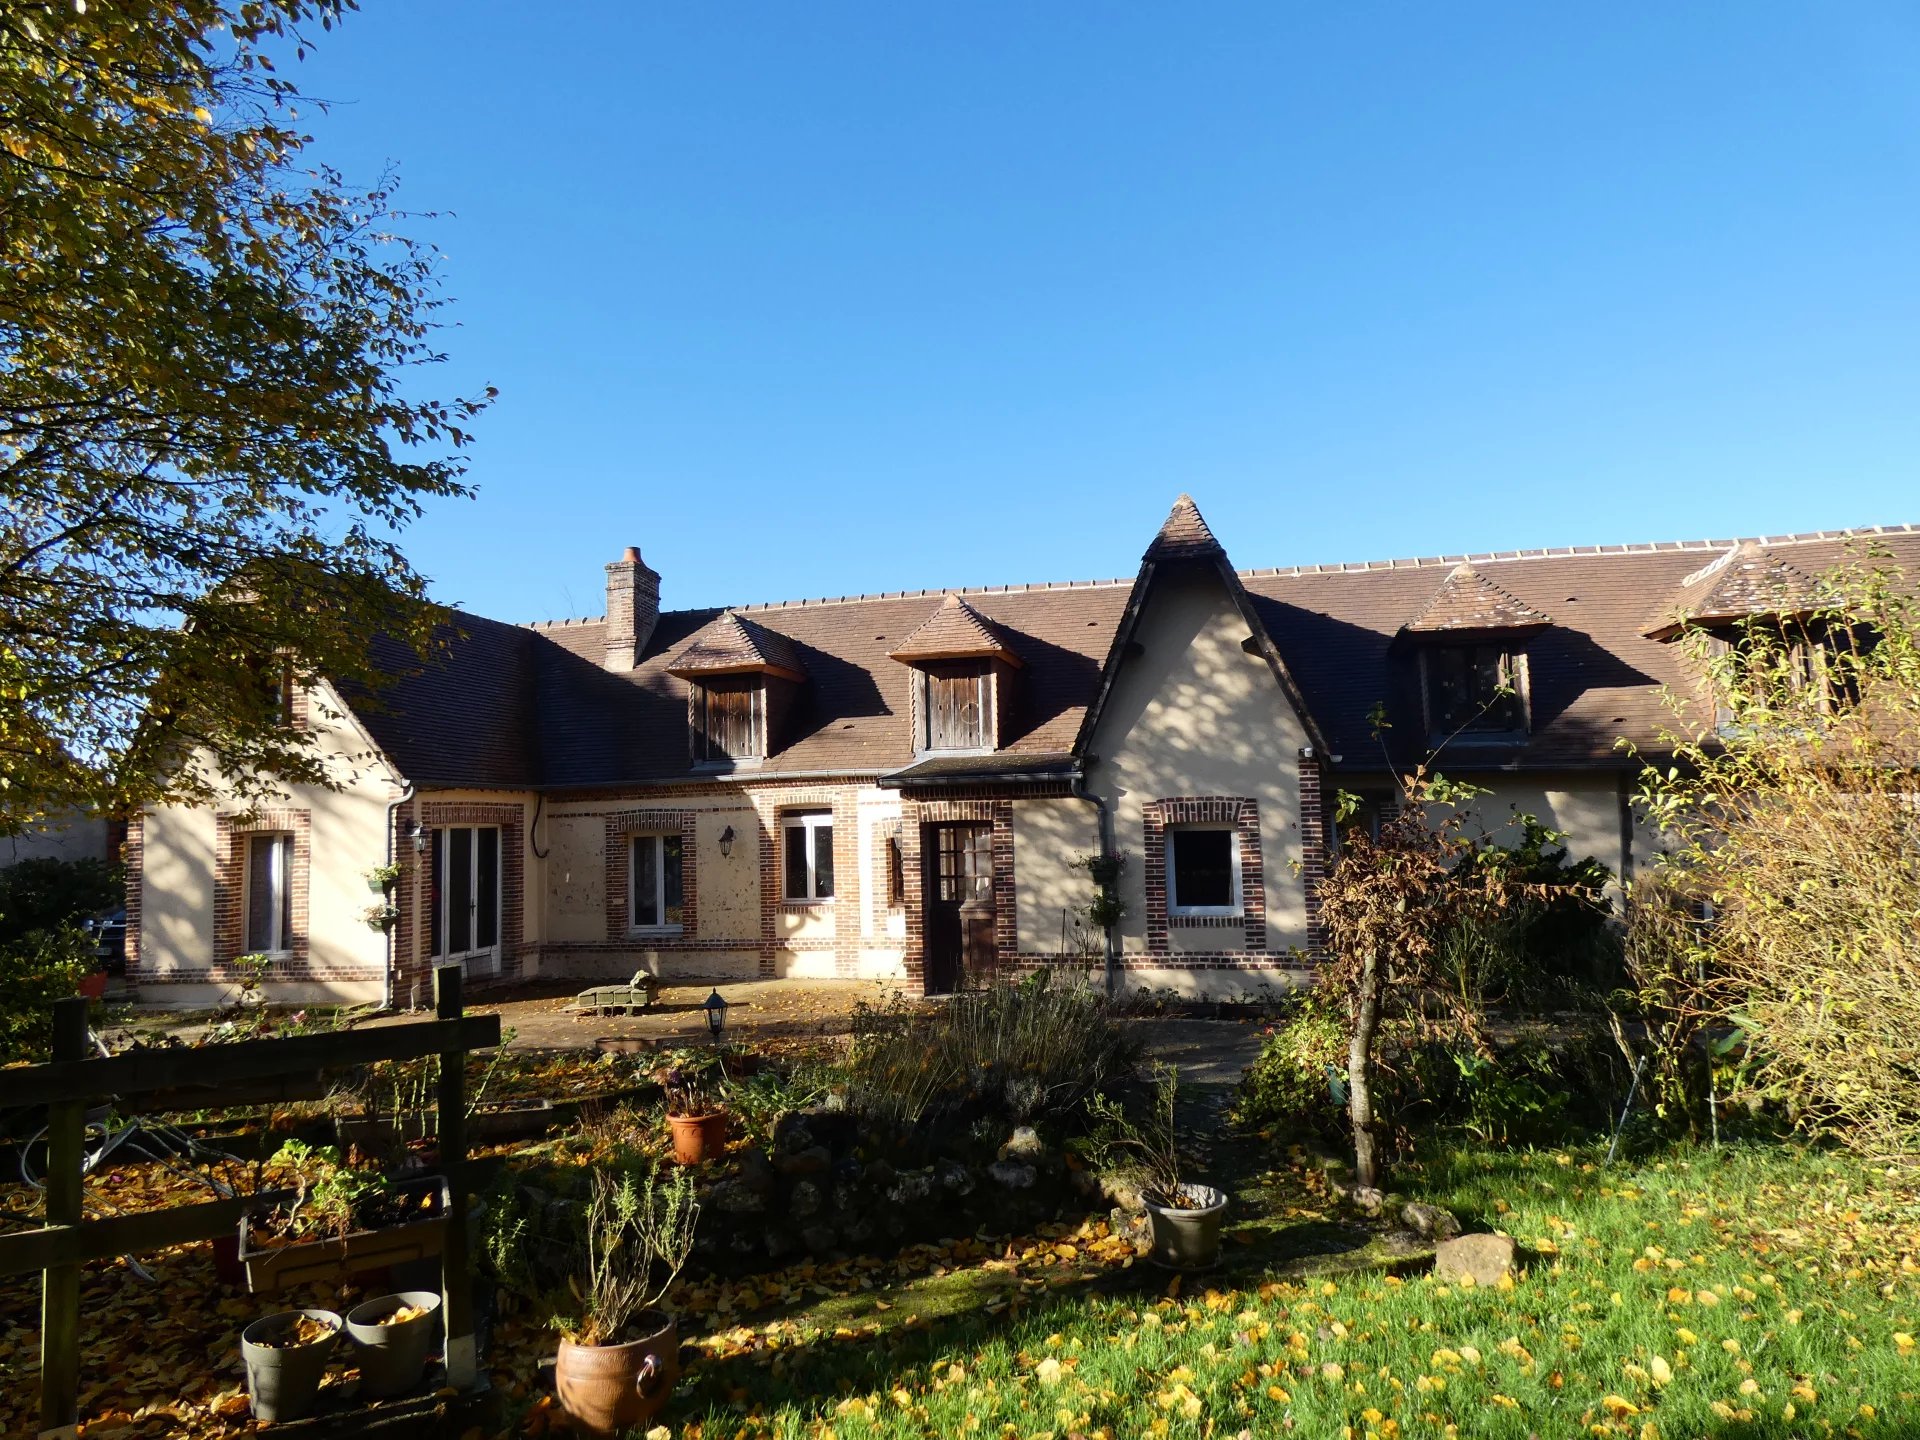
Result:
[
  {"x": 1080, "y": 792},
  {"x": 393, "y": 935}
]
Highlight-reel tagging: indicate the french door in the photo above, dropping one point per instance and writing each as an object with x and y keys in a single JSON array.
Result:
[
  {"x": 958, "y": 898},
  {"x": 465, "y": 916}
]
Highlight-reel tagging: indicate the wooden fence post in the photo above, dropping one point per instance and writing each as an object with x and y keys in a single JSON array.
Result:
[
  {"x": 60, "y": 1285},
  {"x": 456, "y": 1251}
]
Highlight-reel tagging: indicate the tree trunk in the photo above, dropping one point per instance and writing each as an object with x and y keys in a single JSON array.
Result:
[{"x": 1366, "y": 1023}]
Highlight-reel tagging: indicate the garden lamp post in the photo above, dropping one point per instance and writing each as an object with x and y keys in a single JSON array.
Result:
[{"x": 716, "y": 1008}]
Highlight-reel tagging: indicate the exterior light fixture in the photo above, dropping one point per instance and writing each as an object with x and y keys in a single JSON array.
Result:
[
  {"x": 726, "y": 842},
  {"x": 716, "y": 1009},
  {"x": 419, "y": 837}
]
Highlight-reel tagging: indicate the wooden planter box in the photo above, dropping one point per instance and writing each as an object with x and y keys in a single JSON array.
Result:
[
  {"x": 513, "y": 1120},
  {"x": 275, "y": 1267}
]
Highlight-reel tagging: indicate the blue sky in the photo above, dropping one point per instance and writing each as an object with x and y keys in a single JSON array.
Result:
[{"x": 833, "y": 298}]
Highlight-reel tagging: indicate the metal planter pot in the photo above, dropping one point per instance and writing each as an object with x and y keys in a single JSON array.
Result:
[
  {"x": 283, "y": 1381},
  {"x": 1188, "y": 1237},
  {"x": 393, "y": 1357}
]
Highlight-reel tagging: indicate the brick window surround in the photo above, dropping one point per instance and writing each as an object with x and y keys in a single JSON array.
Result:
[
  {"x": 1235, "y": 811},
  {"x": 621, "y": 826},
  {"x": 230, "y": 836}
]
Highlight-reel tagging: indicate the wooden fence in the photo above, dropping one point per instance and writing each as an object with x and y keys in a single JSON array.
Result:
[{"x": 72, "y": 1082}]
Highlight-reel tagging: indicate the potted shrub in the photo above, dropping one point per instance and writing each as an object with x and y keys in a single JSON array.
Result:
[
  {"x": 382, "y": 878},
  {"x": 340, "y": 1221},
  {"x": 1184, "y": 1216},
  {"x": 619, "y": 1354},
  {"x": 393, "y": 1335},
  {"x": 695, "y": 1115},
  {"x": 286, "y": 1357}
]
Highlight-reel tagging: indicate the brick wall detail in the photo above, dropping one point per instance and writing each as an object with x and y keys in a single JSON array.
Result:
[
  {"x": 622, "y": 826},
  {"x": 230, "y": 836},
  {"x": 1243, "y": 814}
]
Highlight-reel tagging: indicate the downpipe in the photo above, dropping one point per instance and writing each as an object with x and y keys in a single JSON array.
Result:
[
  {"x": 1105, "y": 821},
  {"x": 393, "y": 935}
]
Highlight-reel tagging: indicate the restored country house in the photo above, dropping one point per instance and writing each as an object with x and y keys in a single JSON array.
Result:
[{"x": 900, "y": 786}]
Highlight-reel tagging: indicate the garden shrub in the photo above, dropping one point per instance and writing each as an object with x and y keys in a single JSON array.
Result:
[
  {"x": 1025, "y": 1052},
  {"x": 1794, "y": 828},
  {"x": 43, "y": 948},
  {"x": 1298, "y": 1083}
]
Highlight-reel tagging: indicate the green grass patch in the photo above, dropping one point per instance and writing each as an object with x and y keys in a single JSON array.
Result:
[{"x": 1764, "y": 1291}]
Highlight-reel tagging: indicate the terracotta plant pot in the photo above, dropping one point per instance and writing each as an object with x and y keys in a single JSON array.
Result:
[
  {"x": 697, "y": 1138},
  {"x": 1188, "y": 1238},
  {"x": 605, "y": 1389}
]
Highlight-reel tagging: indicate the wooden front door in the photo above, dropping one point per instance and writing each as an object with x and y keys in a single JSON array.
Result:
[{"x": 958, "y": 890}]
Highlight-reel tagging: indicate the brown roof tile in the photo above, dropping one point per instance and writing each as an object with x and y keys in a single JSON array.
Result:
[
  {"x": 1184, "y": 535},
  {"x": 1469, "y": 601},
  {"x": 954, "y": 631},
  {"x": 732, "y": 645},
  {"x": 1749, "y": 579}
]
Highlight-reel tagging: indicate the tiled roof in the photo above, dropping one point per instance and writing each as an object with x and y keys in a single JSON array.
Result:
[
  {"x": 958, "y": 769},
  {"x": 732, "y": 645},
  {"x": 515, "y": 706},
  {"x": 1749, "y": 579},
  {"x": 1184, "y": 536},
  {"x": 955, "y": 631},
  {"x": 1468, "y": 600}
]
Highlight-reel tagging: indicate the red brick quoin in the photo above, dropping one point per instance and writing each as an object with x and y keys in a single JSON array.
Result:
[{"x": 1243, "y": 815}]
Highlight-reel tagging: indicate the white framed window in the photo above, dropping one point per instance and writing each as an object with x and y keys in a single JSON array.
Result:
[
  {"x": 269, "y": 918},
  {"x": 809, "y": 856},
  {"x": 1203, "y": 870},
  {"x": 464, "y": 922},
  {"x": 655, "y": 882}
]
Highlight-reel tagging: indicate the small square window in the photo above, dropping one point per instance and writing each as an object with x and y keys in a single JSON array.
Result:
[
  {"x": 1203, "y": 872},
  {"x": 657, "y": 882},
  {"x": 809, "y": 856},
  {"x": 1474, "y": 690}
]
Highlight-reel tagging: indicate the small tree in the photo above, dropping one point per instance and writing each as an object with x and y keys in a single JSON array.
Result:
[
  {"x": 1794, "y": 822},
  {"x": 1386, "y": 902}
]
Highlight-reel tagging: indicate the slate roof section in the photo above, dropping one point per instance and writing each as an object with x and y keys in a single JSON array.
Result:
[
  {"x": 955, "y": 631},
  {"x": 1184, "y": 535},
  {"x": 1467, "y": 602},
  {"x": 1749, "y": 579},
  {"x": 731, "y": 644},
  {"x": 512, "y": 707}
]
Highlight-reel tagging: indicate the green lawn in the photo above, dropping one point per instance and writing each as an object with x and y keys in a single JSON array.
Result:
[{"x": 1752, "y": 1291}]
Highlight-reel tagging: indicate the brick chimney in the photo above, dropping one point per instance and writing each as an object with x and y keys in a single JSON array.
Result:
[{"x": 633, "y": 607}]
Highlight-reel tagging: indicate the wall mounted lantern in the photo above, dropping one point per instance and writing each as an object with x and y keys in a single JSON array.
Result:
[
  {"x": 726, "y": 842},
  {"x": 419, "y": 837}
]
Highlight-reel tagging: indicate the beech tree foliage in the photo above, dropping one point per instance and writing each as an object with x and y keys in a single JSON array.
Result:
[
  {"x": 1793, "y": 820},
  {"x": 211, "y": 425}
]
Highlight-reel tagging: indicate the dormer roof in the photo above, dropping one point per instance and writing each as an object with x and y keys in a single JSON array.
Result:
[
  {"x": 955, "y": 631},
  {"x": 1468, "y": 603},
  {"x": 1748, "y": 580},
  {"x": 731, "y": 644}
]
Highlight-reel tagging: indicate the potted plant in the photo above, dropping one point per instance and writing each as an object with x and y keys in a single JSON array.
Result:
[
  {"x": 393, "y": 1334},
  {"x": 695, "y": 1114},
  {"x": 382, "y": 878},
  {"x": 1184, "y": 1217},
  {"x": 340, "y": 1221},
  {"x": 286, "y": 1357},
  {"x": 619, "y": 1354}
]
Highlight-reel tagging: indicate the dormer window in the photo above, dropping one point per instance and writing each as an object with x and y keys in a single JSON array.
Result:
[
  {"x": 957, "y": 706},
  {"x": 1474, "y": 690},
  {"x": 962, "y": 670},
  {"x": 729, "y": 718},
  {"x": 1473, "y": 672},
  {"x": 742, "y": 679}
]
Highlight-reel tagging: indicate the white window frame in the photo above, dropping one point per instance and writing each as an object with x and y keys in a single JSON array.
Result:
[
  {"x": 477, "y": 960},
  {"x": 279, "y": 902},
  {"x": 813, "y": 822},
  {"x": 1174, "y": 908},
  {"x": 657, "y": 839}
]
